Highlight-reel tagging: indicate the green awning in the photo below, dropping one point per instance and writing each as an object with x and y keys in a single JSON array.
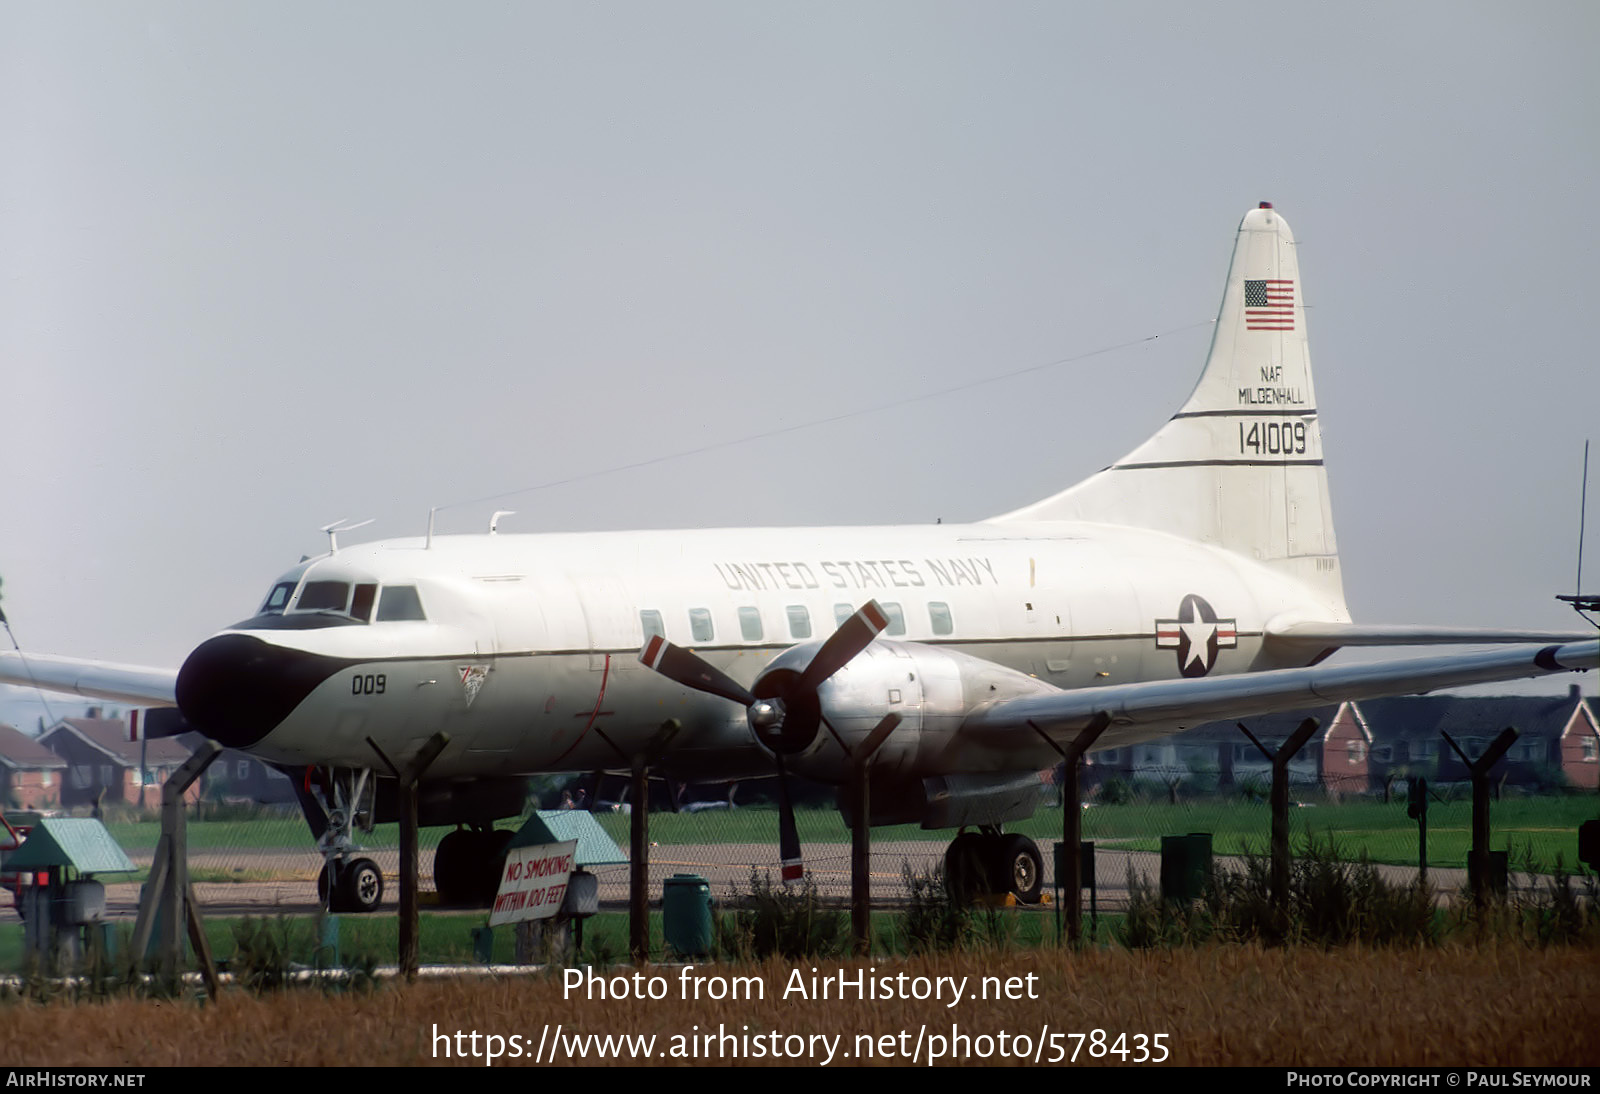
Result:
[
  {"x": 79, "y": 842},
  {"x": 595, "y": 848}
]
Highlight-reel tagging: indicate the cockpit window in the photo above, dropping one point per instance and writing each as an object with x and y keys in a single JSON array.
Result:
[
  {"x": 277, "y": 599},
  {"x": 323, "y": 596},
  {"x": 361, "y": 606},
  {"x": 399, "y": 602}
]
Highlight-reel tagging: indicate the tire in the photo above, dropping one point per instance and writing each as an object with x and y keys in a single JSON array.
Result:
[
  {"x": 1018, "y": 868},
  {"x": 964, "y": 875},
  {"x": 452, "y": 867},
  {"x": 361, "y": 886},
  {"x": 495, "y": 845}
]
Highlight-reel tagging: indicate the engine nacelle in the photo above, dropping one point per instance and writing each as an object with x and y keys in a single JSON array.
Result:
[{"x": 932, "y": 688}]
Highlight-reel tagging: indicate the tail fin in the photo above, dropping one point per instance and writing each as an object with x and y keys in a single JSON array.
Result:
[{"x": 1240, "y": 465}]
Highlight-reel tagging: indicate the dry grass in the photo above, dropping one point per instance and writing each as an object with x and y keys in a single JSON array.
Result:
[{"x": 1452, "y": 1006}]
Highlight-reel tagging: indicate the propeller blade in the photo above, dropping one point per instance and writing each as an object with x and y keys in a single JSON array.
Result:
[
  {"x": 853, "y": 636},
  {"x": 788, "y": 834},
  {"x": 686, "y": 668}
]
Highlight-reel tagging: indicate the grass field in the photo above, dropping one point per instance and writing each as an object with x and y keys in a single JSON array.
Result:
[
  {"x": 1504, "y": 1005},
  {"x": 446, "y": 938},
  {"x": 1537, "y": 829}
]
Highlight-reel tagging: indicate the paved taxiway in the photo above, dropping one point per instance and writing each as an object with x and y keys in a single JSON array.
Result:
[{"x": 285, "y": 880}]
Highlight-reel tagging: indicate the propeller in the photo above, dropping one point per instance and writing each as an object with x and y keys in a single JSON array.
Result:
[{"x": 784, "y": 710}]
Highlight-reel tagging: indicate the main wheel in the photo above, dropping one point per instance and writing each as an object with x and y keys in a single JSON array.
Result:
[
  {"x": 453, "y": 867},
  {"x": 964, "y": 874},
  {"x": 361, "y": 886},
  {"x": 494, "y": 848},
  {"x": 1018, "y": 868}
]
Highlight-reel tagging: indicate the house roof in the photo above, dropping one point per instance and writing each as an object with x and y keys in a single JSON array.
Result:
[
  {"x": 110, "y": 736},
  {"x": 1411, "y": 717},
  {"x": 1270, "y": 729},
  {"x": 21, "y": 752}
]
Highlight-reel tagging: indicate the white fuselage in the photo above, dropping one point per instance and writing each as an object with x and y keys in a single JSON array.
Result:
[{"x": 528, "y": 657}]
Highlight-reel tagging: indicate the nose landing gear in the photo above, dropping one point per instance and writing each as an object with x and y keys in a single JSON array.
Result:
[{"x": 342, "y": 800}]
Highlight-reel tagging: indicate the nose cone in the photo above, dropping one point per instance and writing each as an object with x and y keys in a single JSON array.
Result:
[{"x": 236, "y": 689}]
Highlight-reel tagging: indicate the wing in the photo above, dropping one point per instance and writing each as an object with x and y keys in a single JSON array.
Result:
[
  {"x": 1143, "y": 711},
  {"x": 139, "y": 684},
  {"x": 1320, "y": 634}
]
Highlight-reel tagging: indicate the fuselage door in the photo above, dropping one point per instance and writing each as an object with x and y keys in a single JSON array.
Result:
[{"x": 611, "y": 619}]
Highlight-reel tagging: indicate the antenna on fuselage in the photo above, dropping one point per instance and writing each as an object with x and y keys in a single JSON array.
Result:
[
  {"x": 338, "y": 526},
  {"x": 494, "y": 521},
  {"x": 431, "y": 512}
]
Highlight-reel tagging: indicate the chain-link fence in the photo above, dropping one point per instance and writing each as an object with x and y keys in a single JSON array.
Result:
[{"x": 257, "y": 860}]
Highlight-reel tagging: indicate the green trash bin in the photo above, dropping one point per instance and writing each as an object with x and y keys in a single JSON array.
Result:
[{"x": 686, "y": 920}]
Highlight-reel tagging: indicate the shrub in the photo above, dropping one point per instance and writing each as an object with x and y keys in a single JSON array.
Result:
[{"x": 781, "y": 921}]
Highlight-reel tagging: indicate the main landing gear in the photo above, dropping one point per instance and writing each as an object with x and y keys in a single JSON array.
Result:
[
  {"x": 989, "y": 861},
  {"x": 467, "y": 865}
]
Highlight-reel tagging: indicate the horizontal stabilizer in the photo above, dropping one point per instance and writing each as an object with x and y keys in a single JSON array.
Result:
[{"x": 137, "y": 684}]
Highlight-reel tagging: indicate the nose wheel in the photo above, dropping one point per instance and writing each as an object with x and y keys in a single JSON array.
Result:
[{"x": 355, "y": 886}]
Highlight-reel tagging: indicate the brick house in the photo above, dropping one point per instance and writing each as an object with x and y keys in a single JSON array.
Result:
[
  {"x": 1370, "y": 746},
  {"x": 1578, "y": 749},
  {"x": 30, "y": 774},
  {"x": 104, "y": 767}
]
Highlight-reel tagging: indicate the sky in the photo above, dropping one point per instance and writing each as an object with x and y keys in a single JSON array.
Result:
[{"x": 268, "y": 266}]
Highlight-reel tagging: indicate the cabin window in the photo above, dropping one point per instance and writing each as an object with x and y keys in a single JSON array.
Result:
[
  {"x": 750, "y": 624},
  {"x": 277, "y": 599},
  {"x": 323, "y": 596},
  {"x": 799, "y": 621},
  {"x": 650, "y": 621},
  {"x": 841, "y": 612},
  {"x": 700, "y": 628},
  {"x": 897, "y": 618},
  {"x": 399, "y": 603},
  {"x": 939, "y": 616}
]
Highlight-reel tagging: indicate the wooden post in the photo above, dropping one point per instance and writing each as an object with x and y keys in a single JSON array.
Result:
[
  {"x": 1478, "y": 861},
  {"x": 1280, "y": 805},
  {"x": 861, "y": 834},
  {"x": 861, "y": 865},
  {"x": 168, "y": 885},
  {"x": 639, "y": 864},
  {"x": 410, "y": 852},
  {"x": 1072, "y": 817}
]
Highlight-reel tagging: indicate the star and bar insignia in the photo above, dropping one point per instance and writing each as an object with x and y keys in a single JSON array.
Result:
[{"x": 1197, "y": 634}]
